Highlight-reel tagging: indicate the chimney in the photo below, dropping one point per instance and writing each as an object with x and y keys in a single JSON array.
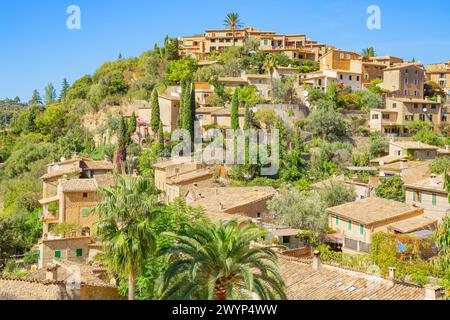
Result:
[
  {"x": 433, "y": 180},
  {"x": 392, "y": 273},
  {"x": 52, "y": 273},
  {"x": 317, "y": 262},
  {"x": 432, "y": 292}
]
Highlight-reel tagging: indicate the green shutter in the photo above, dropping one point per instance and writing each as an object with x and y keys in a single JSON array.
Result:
[
  {"x": 434, "y": 199},
  {"x": 79, "y": 252},
  {"x": 39, "y": 254},
  {"x": 414, "y": 196},
  {"x": 337, "y": 220},
  {"x": 84, "y": 212},
  {"x": 361, "y": 229},
  {"x": 349, "y": 225},
  {"x": 58, "y": 254},
  {"x": 420, "y": 197}
]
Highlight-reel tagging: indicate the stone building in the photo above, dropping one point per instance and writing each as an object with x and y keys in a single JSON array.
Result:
[{"x": 70, "y": 192}]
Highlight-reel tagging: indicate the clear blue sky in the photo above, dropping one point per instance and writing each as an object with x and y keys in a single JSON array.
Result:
[{"x": 36, "y": 47}]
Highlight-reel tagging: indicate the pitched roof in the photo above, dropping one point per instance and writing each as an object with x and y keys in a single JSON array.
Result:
[
  {"x": 413, "y": 224},
  {"x": 373, "y": 210},
  {"x": 164, "y": 164},
  {"x": 336, "y": 283},
  {"x": 79, "y": 185},
  {"x": 189, "y": 176},
  {"x": 414, "y": 145},
  {"x": 61, "y": 173},
  {"x": 218, "y": 201},
  {"x": 429, "y": 185}
]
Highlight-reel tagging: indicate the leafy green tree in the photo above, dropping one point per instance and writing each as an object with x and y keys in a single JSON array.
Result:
[
  {"x": 182, "y": 69},
  {"x": 391, "y": 188},
  {"x": 233, "y": 22},
  {"x": 440, "y": 165},
  {"x": 80, "y": 88},
  {"x": 218, "y": 262},
  {"x": 64, "y": 89},
  {"x": 124, "y": 227},
  {"x": 378, "y": 146},
  {"x": 293, "y": 166},
  {"x": 50, "y": 94},
  {"x": 327, "y": 124},
  {"x": 235, "y": 111},
  {"x": 155, "y": 120},
  {"x": 35, "y": 98}
]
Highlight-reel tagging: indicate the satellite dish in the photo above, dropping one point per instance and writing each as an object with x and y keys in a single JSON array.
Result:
[{"x": 305, "y": 93}]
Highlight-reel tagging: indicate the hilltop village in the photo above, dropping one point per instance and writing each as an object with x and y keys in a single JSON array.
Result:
[{"x": 358, "y": 209}]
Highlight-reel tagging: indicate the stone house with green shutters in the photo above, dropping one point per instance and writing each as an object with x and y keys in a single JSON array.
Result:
[
  {"x": 430, "y": 195},
  {"x": 70, "y": 193}
]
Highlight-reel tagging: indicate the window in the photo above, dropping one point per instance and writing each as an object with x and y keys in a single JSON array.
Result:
[
  {"x": 406, "y": 93},
  {"x": 337, "y": 220},
  {"x": 350, "y": 77},
  {"x": 350, "y": 225},
  {"x": 406, "y": 81},
  {"x": 342, "y": 56},
  {"x": 341, "y": 77},
  {"x": 386, "y": 116},
  {"x": 421, "y": 117},
  {"x": 84, "y": 212},
  {"x": 286, "y": 239},
  {"x": 39, "y": 254},
  {"x": 394, "y": 105},
  {"x": 58, "y": 254},
  {"x": 361, "y": 229},
  {"x": 258, "y": 215},
  {"x": 434, "y": 199},
  {"x": 79, "y": 252},
  {"x": 85, "y": 195},
  {"x": 374, "y": 117},
  {"x": 357, "y": 78},
  {"x": 266, "y": 42},
  {"x": 433, "y": 106},
  {"x": 409, "y": 117},
  {"x": 367, "y": 77},
  {"x": 416, "y": 93},
  {"x": 416, "y": 106},
  {"x": 417, "y": 196}
]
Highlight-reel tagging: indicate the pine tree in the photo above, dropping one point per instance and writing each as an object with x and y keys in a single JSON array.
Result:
[
  {"x": 36, "y": 98},
  {"x": 65, "y": 87},
  {"x": 172, "y": 50},
  {"x": 154, "y": 122},
  {"x": 235, "y": 111},
  {"x": 50, "y": 94}
]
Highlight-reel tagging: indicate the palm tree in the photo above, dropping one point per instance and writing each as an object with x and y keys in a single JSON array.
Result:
[
  {"x": 270, "y": 65},
  {"x": 126, "y": 214},
  {"x": 217, "y": 261},
  {"x": 233, "y": 22},
  {"x": 368, "y": 52}
]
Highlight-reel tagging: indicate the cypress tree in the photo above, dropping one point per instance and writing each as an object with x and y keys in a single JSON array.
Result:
[
  {"x": 180, "y": 111},
  {"x": 154, "y": 122},
  {"x": 160, "y": 138},
  {"x": 235, "y": 111},
  {"x": 187, "y": 112},
  {"x": 123, "y": 141},
  {"x": 132, "y": 125},
  {"x": 192, "y": 108}
]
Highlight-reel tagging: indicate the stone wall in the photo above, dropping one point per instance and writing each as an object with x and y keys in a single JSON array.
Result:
[{"x": 17, "y": 289}]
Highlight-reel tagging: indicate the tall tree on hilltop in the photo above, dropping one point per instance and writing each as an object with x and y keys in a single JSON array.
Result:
[
  {"x": 235, "y": 110},
  {"x": 64, "y": 88},
  {"x": 187, "y": 110},
  {"x": 233, "y": 22},
  {"x": 368, "y": 52},
  {"x": 125, "y": 226},
  {"x": 156, "y": 116},
  {"x": 50, "y": 94},
  {"x": 35, "y": 98},
  {"x": 172, "y": 50}
]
